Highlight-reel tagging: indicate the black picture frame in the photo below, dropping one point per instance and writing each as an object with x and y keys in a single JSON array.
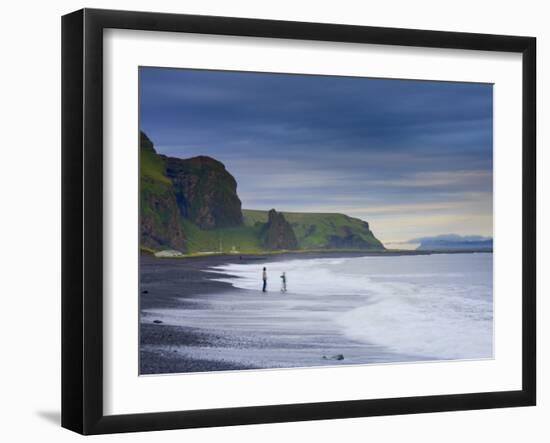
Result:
[{"x": 82, "y": 218}]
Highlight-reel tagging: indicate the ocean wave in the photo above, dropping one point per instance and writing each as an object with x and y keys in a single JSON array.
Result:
[{"x": 433, "y": 306}]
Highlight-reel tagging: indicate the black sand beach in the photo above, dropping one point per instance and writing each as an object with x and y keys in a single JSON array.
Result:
[
  {"x": 191, "y": 322},
  {"x": 166, "y": 283}
]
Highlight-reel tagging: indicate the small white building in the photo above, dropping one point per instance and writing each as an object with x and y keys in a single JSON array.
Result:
[{"x": 168, "y": 253}]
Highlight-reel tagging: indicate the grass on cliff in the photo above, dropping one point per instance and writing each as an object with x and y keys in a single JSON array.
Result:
[
  {"x": 153, "y": 177},
  {"x": 313, "y": 230},
  {"x": 245, "y": 239}
]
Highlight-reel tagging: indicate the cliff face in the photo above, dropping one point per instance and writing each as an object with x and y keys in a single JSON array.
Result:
[
  {"x": 346, "y": 238},
  {"x": 173, "y": 190},
  {"x": 278, "y": 233},
  {"x": 161, "y": 227},
  {"x": 160, "y": 223},
  {"x": 206, "y": 192}
]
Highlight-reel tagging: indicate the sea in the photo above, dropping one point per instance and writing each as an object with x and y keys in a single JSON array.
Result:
[{"x": 346, "y": 310}]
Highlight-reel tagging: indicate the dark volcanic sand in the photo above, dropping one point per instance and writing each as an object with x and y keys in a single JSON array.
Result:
[
  {"x": 177, "y": 284},
  {"x": 165, "y": 283}
]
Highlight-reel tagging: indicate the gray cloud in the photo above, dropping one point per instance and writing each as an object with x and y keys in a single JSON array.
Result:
[{"x": 413, "y": 158}]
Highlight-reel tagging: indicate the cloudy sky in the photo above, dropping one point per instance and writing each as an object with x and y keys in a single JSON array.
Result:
[{"x": 413, "y": 158}]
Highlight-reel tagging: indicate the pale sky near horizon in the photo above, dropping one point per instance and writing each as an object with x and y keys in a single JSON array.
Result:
[{"x": 413, "y": 158}]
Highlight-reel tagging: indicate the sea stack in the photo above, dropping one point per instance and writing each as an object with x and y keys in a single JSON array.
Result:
[{"x": 278, "y": 233}]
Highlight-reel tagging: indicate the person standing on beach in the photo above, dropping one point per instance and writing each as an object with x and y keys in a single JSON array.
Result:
[
  {"x": 283, "y": 281},
  {"x": 264, "y": 278}
]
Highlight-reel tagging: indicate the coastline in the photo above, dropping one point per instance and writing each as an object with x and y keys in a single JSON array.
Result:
[
  {"x": 169, "y": 287},
  {"x": 317, "y": 253},
  {"x": 164, "y": 284}
]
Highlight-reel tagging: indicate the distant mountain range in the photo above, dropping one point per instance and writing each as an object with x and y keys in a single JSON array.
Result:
[
  {"x": 191, "y": 205},
  {"x": 451, "y": 242}
]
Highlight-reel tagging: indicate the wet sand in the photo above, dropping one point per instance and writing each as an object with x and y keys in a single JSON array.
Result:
[
  {"x": 165, "y": 284},
  {"x": 172, "y": 286}
]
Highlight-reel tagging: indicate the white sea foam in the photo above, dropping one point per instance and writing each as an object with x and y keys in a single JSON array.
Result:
[{"x": 430, "y": 306}]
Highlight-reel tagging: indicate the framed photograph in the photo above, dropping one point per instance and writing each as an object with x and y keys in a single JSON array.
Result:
[{"x": 268, "y": 221}]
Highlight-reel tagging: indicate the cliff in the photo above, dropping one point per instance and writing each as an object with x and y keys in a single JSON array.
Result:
[
  {"x": 206, "y": 192},
  {"x": 176, "y": 191},
  {"x": 160, "y": 223},
  {"x": 322, "y": 230},
  {"x": 191, "y": 205}
]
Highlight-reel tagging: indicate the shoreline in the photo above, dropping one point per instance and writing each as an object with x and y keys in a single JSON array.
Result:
[
  {"x": 168, "y": 285},
  {"x": 164, "y": 284},
  {"x": 315, "y": 253}
]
